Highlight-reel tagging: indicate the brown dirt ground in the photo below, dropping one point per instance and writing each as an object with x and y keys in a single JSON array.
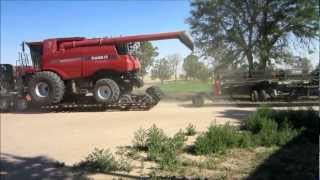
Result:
[{"x": 69, "y": 136}]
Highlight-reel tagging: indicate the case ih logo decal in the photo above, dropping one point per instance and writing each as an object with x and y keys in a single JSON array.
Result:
[
  {"x": 99, "y": 57},
  {"x": 86, "y": 58}
]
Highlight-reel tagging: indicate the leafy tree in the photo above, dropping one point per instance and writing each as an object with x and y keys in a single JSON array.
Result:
[
  {"x": 195, "y": 69},
  {"x": 252, "y": 29},
  {"x": 283, "y": 23},
  {"x": 162, "y": 70},
  {"x": 190, "y": 65},
  {"x": 146, "y": 54}
]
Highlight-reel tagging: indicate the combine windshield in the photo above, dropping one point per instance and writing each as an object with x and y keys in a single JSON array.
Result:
[{"x": 36, "y": 53}]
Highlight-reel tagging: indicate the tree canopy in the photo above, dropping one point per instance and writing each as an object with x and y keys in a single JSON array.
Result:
[
  {"x": 249, "y": 30},
  {"x": 195, "y": 68},
  {"x": 161, "y": 69},
  {"x": 146, "y": 54}
]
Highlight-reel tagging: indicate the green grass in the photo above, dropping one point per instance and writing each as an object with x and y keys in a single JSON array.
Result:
[
  {"x": 184, "y": 86},
  {"x": 102, "y": 160}
]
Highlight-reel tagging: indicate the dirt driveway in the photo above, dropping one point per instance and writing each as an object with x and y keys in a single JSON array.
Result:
[{"x": 68, "y": 137}]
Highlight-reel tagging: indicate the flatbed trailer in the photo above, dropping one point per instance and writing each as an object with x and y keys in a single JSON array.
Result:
[{"x": 265, "y": 90}]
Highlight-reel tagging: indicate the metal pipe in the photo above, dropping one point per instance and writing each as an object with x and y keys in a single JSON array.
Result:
[{"x": 181, "y": 35}]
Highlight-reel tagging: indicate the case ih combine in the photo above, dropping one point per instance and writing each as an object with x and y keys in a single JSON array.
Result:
[{"x": 73, "y": 72}]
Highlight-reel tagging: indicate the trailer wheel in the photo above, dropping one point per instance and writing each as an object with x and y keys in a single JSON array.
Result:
[
  {"x": 197, "y": 101},
  {"x": 254, "y": 96},
  {"x": 46, "y": 88},
  {"x": 21, "y": 105},
  {"x": 263, "y": 95},
  {"x": 106, "y": 91},
  {"x": 4, "y": 105}
]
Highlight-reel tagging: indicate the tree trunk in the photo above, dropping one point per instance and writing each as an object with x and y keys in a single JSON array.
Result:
[
  {"x": 175, "y": 76},
  {"x": 250, "y": 62}
]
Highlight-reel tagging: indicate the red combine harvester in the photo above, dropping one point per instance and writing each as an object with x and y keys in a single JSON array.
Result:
[{"x": 72, "y": 71}]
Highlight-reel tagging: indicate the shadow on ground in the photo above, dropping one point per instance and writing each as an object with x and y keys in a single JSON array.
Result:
[
  {"x": 252, "y": 104},
  {"x": 298, "y": 159},
  {"x": 39, "y": 167},
  {"x": 239, "y": 114}
]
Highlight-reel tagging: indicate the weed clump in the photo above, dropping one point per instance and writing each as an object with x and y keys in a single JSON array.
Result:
[
  {"x": 159, "y": 147},
  {"x": 102, "y": 160},
  {"x": 216, "y": 139},
  {"x": 140, "y": 139},
  {"x": 267, "y": 130},
  {"x": 190, "y": 130}
]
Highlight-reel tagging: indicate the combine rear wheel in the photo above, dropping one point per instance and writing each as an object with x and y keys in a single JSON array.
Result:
[
  {"x": 46, "y": 88},
  {"x": 106, "y": 91}
]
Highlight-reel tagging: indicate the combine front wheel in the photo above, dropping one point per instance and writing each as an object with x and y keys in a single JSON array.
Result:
[{"x": 106, "y": 91}]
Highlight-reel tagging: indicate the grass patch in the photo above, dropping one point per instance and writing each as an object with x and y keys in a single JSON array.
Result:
[
  {"x": 216, "y": 139},
  {"x": 184, "y": 86},
  {"x": 265, "y": 127},
  {"x": 190, "y": 130},
  {"x": 159, "y": 147},
  {"x": 102, "y": 160}
]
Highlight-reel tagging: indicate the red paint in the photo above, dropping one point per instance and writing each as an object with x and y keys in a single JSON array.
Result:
[
  {"x": 217, "y": 87},
  {"x": 78, "y": 57}
]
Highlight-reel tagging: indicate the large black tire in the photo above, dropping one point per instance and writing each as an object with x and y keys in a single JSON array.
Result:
[
  {"x": 4, "y": 105},
  {"x": 197, "y": 101},
  {"x": 46, "y": 88},
  {"x": 106, "y": 91},
  {"x": 254, "y": 95},
  {"x": 155, "y": 92}
]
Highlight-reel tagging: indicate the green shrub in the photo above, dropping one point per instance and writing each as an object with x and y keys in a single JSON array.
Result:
[
  {"x": 140, "y": 139},
  {"x": 190, "y": 130},
  {"x": 253, "y": 123},
  {"x": 217, "y": 138},
  {"x": 101, "y": 160},
  {"x": 168, "y": 156},
  {"x": 178, "y": 140},
  {"x": 286, "y": 132},
  {"x": 274, "y": 128},
  {"x": 267, "y": 133},
  {"x": 161, "y": 148},
  {"x": 245, "y": 139},
  {"x": 155, "y": 140}
]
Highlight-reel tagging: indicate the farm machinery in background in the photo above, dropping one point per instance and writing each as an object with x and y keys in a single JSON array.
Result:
[
  {"x": 76, "y": 72},
  {"x": 263, "y": 87}
]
